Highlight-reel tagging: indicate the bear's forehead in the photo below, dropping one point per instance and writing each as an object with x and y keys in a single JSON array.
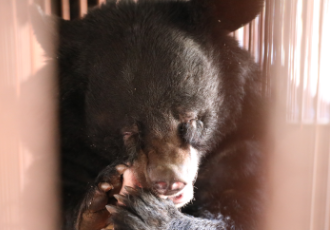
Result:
[
  {"x": 145, "y": 75},
  {"x": 138, "y": 71}
]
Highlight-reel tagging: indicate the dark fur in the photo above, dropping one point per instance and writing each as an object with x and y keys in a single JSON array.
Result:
[{"x": 146, "y": 64}]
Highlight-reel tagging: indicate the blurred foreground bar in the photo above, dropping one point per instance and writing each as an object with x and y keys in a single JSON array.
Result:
[
  {"x": 28, "y": 127},
  {"x": 298, "y": 72}
]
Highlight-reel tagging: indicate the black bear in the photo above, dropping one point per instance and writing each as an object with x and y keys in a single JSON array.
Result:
[{"x": 151, "y": 92}]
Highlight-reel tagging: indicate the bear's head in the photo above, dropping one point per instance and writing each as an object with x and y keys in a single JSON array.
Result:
[{"x": 154, "y": 84}]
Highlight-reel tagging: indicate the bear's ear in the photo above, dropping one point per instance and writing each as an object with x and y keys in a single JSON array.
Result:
[
  {"x": 52, "y": 31},
  {"x": 228, "y": 14}
]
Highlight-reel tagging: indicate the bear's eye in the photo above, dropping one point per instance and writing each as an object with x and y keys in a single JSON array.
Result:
[
  {"x": 127, "y": 135},
  {"x": 190, "y": 131}
]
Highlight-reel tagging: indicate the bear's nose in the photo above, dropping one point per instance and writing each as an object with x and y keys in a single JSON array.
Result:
[{"x": 165, "y": 188}]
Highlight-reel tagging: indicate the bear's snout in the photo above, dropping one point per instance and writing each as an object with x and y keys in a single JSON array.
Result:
[{"x": 168, "y": 188}]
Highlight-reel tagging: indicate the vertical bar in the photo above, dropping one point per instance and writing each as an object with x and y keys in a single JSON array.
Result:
[
  {"x": 267, "y": 42},
  {"x": 83, "y": 7},
  {"x": 28, "y": 159},
  {"x": 324, "y": 68},
  {"x": 9, "y": 168},
  {"x": 100, "y": 2},
  {"x": 261, "y": 36},
  {"x": 292, "y": 85},
  {"x": 301, "y": 166},
  {"x": 246, "y": 36},
  {"x": 254, "y": 35},
  {"x": 48, "y": 7},
  {"x": 327, "y": 200},
  {"x": 250, "y": 48},
  {"x": 265, "y": 45},
  {"x": 318, "y": 198},
  {"x": 319, "y": 104},
  {"x": 306, "y": 91},
  {"x": 65, "y": 9}
]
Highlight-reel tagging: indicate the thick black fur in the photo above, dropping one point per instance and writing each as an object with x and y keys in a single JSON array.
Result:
[{"x": 140, "y": 63}]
